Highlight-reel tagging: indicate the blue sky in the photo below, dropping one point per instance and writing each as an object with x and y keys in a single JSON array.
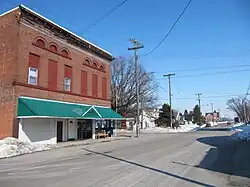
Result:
[{"x": 212, "y": 33}]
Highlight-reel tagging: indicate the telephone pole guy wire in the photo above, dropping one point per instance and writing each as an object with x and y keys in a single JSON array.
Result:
[
  {"x": 171, "y": 29},
  {"x": 135, "y": 48}
]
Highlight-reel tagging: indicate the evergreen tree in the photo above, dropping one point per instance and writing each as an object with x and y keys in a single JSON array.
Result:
[
  {"x": 196, "y": 114},
  {"x": 186, "y": 115},
  {"x": 190, "y": 116},
  {"x": 164, "y": 116}
]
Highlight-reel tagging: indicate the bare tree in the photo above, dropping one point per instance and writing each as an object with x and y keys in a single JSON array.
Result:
[
  {"x": 123, "y": 86},
  {"x": 241, "y": 107}
]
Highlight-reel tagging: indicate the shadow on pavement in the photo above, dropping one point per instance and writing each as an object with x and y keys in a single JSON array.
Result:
[
  {"x": 150, "y": 168},
  {"x": 215, "y": 129},
  {"x": 228, "y": 156}
]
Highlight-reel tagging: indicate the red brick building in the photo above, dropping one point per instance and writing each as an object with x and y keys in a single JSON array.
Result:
[{"x": 42, "y": 61}]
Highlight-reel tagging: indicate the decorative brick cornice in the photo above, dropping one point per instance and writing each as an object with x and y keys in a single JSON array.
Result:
[{"x": 34, "y": 18}]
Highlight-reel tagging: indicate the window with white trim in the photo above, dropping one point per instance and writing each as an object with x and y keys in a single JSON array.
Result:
[
  {"x": 33, "y": 74},
  {"x": 67, "y": 84}
]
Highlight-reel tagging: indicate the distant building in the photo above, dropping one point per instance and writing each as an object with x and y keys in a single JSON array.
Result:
[
  {"x": 212, "y": 116},
  {"x": 149, "y": 117}
]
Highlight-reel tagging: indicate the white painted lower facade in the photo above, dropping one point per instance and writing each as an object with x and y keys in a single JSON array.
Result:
[
  {"x": 37, "y": 130},
  {"x": 44, "y": 131}
]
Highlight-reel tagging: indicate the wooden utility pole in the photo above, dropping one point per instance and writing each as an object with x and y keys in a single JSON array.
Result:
[
  {"x": 136, "y": 46},
  {"x": 212, "y": 106},
  {"x": 170, "y": 95},
  {"x": 199, "y": 100}
]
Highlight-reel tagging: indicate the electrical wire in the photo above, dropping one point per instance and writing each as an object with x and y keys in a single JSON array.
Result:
[
  {"x": 98, "y": 20},
  {"x": 206, "y": 97},
  {"x": 208, "y": 74},
  {"x": 205, "y": 69},
  {"x": 171, "y": 29}
]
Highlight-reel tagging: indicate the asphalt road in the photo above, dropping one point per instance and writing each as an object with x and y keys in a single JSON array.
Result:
[{"x": 186, "y": 159}]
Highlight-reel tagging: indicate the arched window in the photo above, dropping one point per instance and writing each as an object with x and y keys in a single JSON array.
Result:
[
  {"x": 102, "y": 67},
  {"x": 53, "y": 48},
  {"x": 87, "y": 61},
  {"x": 94, "y": 64},
  {"x": 40, "y": 43},
  {"x": 65, "y": 53}
]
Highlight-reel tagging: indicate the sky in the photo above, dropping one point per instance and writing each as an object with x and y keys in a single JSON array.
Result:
[{"x": 212, "y": 36}]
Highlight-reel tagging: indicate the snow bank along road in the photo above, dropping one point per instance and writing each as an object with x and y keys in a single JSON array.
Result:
[{"x": 181, "y": 159}]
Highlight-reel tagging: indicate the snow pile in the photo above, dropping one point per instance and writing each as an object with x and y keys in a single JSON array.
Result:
[
  {"x": 183, "y": 128},
  {"x": 238, "y": 124},
  {"x": 122, "y": 130},
  {"x": 10, "y": 147},
  {"x": 213, "y": 123},
  {"x": 242, "y": 133}
]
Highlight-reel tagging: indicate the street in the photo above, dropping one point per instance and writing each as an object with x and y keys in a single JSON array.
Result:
[{"x": 208, "y": 158}]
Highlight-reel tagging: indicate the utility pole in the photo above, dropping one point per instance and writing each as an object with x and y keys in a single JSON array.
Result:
[
  {"x": 136, "y": 46},
  {"x": 170, "y": 96},
  {"x": 142, "y": 113},
  {"x": 212, "y": 106},
  {"x": 245, "y": 104},
  {"x": 199, "y": 100}
]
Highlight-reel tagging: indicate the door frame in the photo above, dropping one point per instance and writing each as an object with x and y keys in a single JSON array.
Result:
[
  {"x": 64, "y": 129},
  {"x": 57, "y": 130}
]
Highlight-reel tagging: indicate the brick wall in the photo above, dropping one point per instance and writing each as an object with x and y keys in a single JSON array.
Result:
[
  {"x": 9, "y": 39},
  {"x": 28, "y": 36},
  {"x": 34, "y": 92},
  {"x": 17, "y": 40}
]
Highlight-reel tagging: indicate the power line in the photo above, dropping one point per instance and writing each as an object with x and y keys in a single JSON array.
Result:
[
  {"x": 215, "y": 73},
  {"x": 168, "y": 33},
  {"x": 206, "y": 97},
  {"x": 98, "y": 20},
  {"x": 205, "y": 69},
  {"x": 208, "y": 74}
]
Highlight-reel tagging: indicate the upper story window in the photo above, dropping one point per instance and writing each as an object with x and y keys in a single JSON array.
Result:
[
  {"x": 95, "y": 65},
  {"x": 40, "y": 43},
  {"x": 87, "y": 61},
  {"x": 65, "y": 53},
  {"x": 33, "y": 68},
  {"x": 102, "y": 67},
  {"x": 33, "y": 74},
  {"x": 53, "y": 48},
  {"x": 67, "y": 84}
]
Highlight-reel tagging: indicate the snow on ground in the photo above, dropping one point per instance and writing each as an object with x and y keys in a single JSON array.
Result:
[
  {"x": 242, "y": 133},
  {"x": 183, "y": 128},
  {"x": 10, "y": 147},
  {"x": 238, "y": 124},
  {"x": 214, "y": 123},
  {"x": 122, "y": 130}
]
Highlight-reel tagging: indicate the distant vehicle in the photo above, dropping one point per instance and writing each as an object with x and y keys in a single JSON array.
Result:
[{"x": 208, "y": 125}]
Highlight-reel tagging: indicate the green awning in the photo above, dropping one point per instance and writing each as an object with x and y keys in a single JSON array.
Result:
[
  {"x": 35, "y": 108},
  {"x": 107, "y": 113}
]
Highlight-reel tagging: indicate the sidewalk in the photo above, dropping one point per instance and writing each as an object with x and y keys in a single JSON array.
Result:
[{"x": 90, "y": 141}]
